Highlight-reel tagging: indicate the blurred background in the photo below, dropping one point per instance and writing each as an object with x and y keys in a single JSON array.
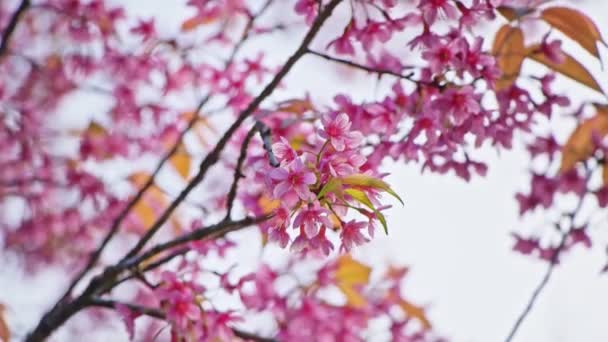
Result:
[{"x": 454, "y": 236}]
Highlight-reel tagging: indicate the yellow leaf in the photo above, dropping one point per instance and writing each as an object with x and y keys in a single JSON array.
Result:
[
  {"x": 362, "y": 198},
  {"x": 576, "y": 26},
  {"x": 509, "y": 50},
  {"x": 333, "y": 186},
  {"x": 267, "y": 204},
  {"x": 181, "y": 162},
  {"x": 352, "y": 272},
  {"x": 350, "y": 275},
  {"x": 5, "y": 333},
  {"x": 416, "y": 312},
  {"x": 369, "y": 181},
  {"x": 354, "y": 299},
  {"x": 570, "y": 68},
  {"x": 579, "y": 145},
  {"x": 152, "y": 201}
]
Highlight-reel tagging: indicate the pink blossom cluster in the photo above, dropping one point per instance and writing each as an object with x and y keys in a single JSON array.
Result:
[
  {"x": 314, "y": 192},
  {"x": 307, "y": 313}
]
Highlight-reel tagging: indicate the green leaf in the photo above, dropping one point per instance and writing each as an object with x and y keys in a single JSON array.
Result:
[
  {"x": 362, "y": 198},
  {"x": 333, "y": 186},
  {"x": 369, "y": 181}
]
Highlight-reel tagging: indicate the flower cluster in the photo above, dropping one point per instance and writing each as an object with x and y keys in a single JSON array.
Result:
[
  {"x": 316, "y": 190},
  {"x": 311, "y": 314}
]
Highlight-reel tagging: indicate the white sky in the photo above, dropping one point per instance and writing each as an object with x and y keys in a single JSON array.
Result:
[{"x": 455, "y": 237}]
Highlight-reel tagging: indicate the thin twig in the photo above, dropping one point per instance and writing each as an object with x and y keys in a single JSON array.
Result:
[
  {"x": 369, "y": 69},
  {"x": 12, "y": 26},
  {"x": 552, "y": 263},
  {"x": 538, "y": 290}
]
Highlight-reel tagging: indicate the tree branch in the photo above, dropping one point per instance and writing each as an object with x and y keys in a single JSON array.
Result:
[
  {"x": 538, "y": 290},
  {"x": 123, "y": 214},
  {"x": 159, "y": 314},
  {"x": 214, "y": 155},
  {"x": 63, "y": 310},
  {"x": 237, "y": 173},
  {"x": 125, "y": 211},
  {"x": 214, "y": 231},
  {"x": 552, "y": 263},
  {"x": 12, "y": 26}
]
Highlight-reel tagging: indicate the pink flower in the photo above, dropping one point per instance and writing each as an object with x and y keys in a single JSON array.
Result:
[
  {"x": 525, "y": 246},
  {"x": 460, "y": 104},
  {"x": 283, "y": 150},
  {"x": 307, "y": 8},
  {"x": 145, "y": 28},
  {"x": 440, "y": 56},
  {"x": 128, "y": 316},
  {"x": 310, "y": 218},
  {"x": 336, "y": 130},
  {"x": 579, "y": 235},
  {"x": 321, "y": 243},
  {"x": 553, "y": 51},
  {"x": 431, "y": 9},
  {"x": 351, "y": 235},
  {"x": 279, "y": 224},
  {"x": 293, "y": 179}
]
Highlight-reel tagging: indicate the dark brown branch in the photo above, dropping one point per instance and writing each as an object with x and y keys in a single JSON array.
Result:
[
  {"x": 63, "y": 310},
  {"x": 204, "y": 233},
  {"x": 214, "y": 155},
  {"x": 12, "y": 26},
  {"x": 123, "y": 214},
  {"x": 159, "y": 314},
  {"x": 363, "y": 67},
  {"x": 238, "y": 173},
  {"x": 125, "y": 211}
]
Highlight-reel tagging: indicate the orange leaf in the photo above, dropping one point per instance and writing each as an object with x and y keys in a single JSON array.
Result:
[
  {"x": 145, "y": 213},
  {"x": 153, "y": 200},
  {"x": 576, "y": 26},
  {"x": 5, "y": 333},
  {"x": 350, "y": 276},
  {"x": 570, "y": 68},
  {"x": 195, "y": 22},
  {"x": 139, "y": 178},
  {"x": 181, "y": 162},
  {"x": 605, "y": 173},
  {"x": 509, "y": 50},
  {"x": 295, "y": 106},
  {"x": 416, "y": 312},
  {"x": 96, "y": 130},
  {"x": 579, "y": 145}
]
